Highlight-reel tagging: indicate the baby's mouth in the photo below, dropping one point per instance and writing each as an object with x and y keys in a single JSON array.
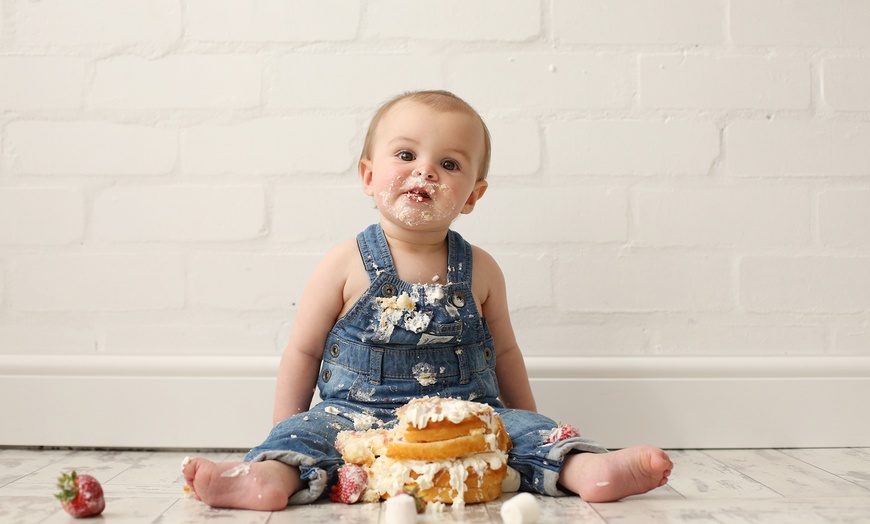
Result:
[{"x": 418, "y": 195}]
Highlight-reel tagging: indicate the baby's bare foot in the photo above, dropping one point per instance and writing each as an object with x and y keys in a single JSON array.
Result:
[
  {"x": 609, "y": 477},
  {"x": 263, "y": 486}
]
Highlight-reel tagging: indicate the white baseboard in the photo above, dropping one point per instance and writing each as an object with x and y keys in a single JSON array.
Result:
[{"x": 226, "y": 402}]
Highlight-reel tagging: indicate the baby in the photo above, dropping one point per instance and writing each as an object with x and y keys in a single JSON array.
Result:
[{"x": 407, "y": 309}]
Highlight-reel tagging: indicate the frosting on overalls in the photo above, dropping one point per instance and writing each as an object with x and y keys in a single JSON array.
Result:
[{"x": 402, "y": 341}]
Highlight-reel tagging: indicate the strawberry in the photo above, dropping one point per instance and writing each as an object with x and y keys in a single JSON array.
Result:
[
  {"x": 352, "y": 483},
  {"x": 80, "y": 495},
  {"x": 562, "y": 432}
]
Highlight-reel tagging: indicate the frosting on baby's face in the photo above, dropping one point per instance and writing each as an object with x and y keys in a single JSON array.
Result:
[
  {"x": 418, "y": 199},
  {"x": 424, "y": 165}
]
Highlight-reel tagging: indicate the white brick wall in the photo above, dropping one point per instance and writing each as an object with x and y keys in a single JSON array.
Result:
[
  {"x": 179, "y": 214},
  {"x": 96, "y": 282},
  {"x": 735, "y": 82},
  {"x": 680, "y": 177},
  {"x": 833, "y": 23},
  {"x": 177, "y": 82},
  {"x": 95, "y": 23},
  {"x": 631, "y": 147},
  {"x": 530, "y": 80},
  {"x": 634, "y": 22},
  {"x": 846, "y": 83},
  {"x": 790, "y": 147},
  {"x": 87, "y": 147},
  {"x": 271, "y": 146},
  {"x": 272, "y": 21}
]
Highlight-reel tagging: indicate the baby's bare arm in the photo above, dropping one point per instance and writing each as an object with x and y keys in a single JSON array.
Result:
[
  {"x": 510, "y": 369},
  {"x": 321, "y": 303}
]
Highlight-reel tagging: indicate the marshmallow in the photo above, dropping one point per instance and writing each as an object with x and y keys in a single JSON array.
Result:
[
  {"x": 400, "y": 509},
  {"x": 521, "y": 509},
  {"x": 511, "y": 482}
]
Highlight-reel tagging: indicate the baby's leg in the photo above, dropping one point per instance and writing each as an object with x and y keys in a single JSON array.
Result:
[
  {"x": 608, "y": 477},
  {"x": 263, "y": 486}
]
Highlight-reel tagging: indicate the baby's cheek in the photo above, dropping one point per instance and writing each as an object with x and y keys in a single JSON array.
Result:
[{"x": 444, "y": 201}]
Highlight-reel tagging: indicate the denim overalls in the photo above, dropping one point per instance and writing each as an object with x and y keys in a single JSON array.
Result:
[{"x": 402, "y": 341}]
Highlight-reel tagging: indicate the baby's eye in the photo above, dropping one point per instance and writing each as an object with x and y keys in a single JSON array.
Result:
[
  {"x": 449, "y": 165},
  {"x": 406, "y": 156}
]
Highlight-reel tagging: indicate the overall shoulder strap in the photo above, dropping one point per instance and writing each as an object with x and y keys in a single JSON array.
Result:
[
  {"x": 375, "y": 252},
  {"x": 459, "y": 258}
]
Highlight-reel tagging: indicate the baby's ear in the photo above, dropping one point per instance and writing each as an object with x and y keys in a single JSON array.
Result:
[
  {"x": 365, "y": 175},
  {"x": 476, "y": 194}
]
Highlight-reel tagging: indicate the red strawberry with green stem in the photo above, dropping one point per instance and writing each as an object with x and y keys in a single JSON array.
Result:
[
  {"x": 561, "y": 433},
  {"x": 80, "y": 495}
]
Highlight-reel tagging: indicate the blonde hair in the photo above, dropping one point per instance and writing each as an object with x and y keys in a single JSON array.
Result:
[{"x": 444, "y": 101}]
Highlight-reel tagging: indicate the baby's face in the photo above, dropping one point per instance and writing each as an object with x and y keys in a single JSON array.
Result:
[{"x": 424, "y": 165}]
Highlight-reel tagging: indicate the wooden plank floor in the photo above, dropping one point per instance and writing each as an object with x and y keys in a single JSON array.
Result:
[{"x": 712, "y": 486}]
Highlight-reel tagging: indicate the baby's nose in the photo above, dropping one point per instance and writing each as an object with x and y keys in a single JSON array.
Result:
[{"x": 424, "y": 173}]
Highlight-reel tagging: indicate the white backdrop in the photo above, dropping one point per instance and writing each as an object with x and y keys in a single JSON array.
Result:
[{"x": 676, "y": 180}]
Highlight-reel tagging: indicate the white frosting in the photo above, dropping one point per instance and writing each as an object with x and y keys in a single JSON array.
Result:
[
  {"x": 419, "y": 412},
  {"x": 405, "y": 303},
  {"x": 361, "y": 447},
  {"x": 401, "y": 310},
  {"x": 434, "y": 293},
  {"x": 389, "y": 476},
  {"x": 425, "y": 373},
  {"x": 363, "y": 421},
  {"x": 242, "y": 469},
  {"x": 409, "y": 206},
  {"x": 417, "y": 321}
]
